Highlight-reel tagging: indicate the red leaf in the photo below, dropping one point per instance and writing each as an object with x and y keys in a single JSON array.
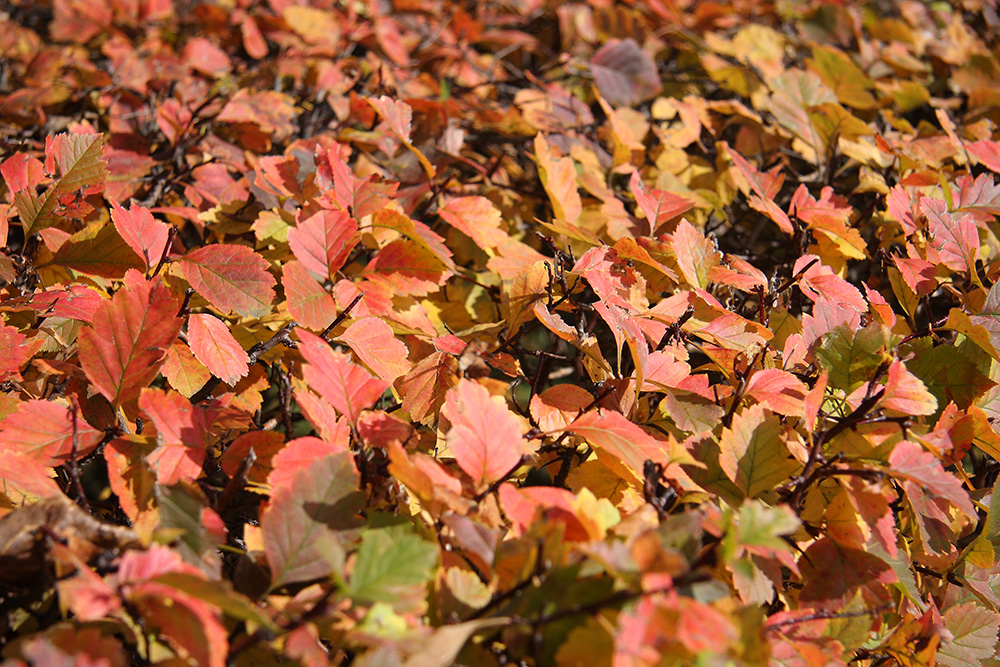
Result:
[
  {"x": 485, "y": 436},
  {"x": 659, "y": 206},
  {"x": 910, "y": 462},
  {"x": 833, "y": 575},
  {"x": 323, "y": 241},
  {"x": 44, "y": 431},
  {"x": 270, "y": 110},
  {"x": 348, "y": 387},
  {"x": 231, "y": 277},
  {"x": 624, "y": 73},
  {"x": 16, "y": 352},
  {"x": 122, "y": 351},
  {"x": 407, "y": 268},
  {"x": 307, "y": 301},
  {"x": 820, "y": 282},
  {"x": 213, "y": 345},
  {"x": 143, "y": 233},
  {"x": 181, "y": 432},
  {"x": 21, "y": 172},
  {"x": 358, "y": 196},
  {"x": 377, "y": 347},
  {"x": 905, "y": 393}
]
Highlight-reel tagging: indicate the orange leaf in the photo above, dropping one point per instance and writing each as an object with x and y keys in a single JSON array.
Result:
[
  {"x": 213, "y": 345},
  {"x": 485, "y": 436},
  {"x": 232, "y": 277},
  {"x": 398, "y": 115},
  {"x": 377, "y": 347},
  {"x": 297, "y": 455},
  {"x": 477, "y": 218},
  {"x": 24, "y": 479},
  {"x": 424, "y": 386}
]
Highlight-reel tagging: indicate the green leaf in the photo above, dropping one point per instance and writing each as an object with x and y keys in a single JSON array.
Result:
[
  {"x": 851, "y": 356},
  {"x": 951, "y": 373},
  {"x": 393, "y": 566}
]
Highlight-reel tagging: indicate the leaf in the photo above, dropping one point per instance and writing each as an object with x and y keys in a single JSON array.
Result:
[
  {"x": 348, "y": 387},
  {"x": 121, "y": 352},
  {"x": 778, "y": 390},
  {"x": 485, "y": 436},
  {"x": 96, "y": 250},
  {"x": 956, "y": 238},
  {"x": 213, "y": 345},
  {"x": 310, "y": 522},
  {"x": 696, "y": 255},
  {"x": 377, "y": 347},
  {"x": 181, "y": 436},
  {"x": 621, "y": 445},
  {"x": 36, "y": 209},
  {"x": 393, "y": 566},
  {"x": 44, "y": 430},
  {"x": 80, "y": 160},
  {"x": 905, "y": 393},
  {"x": 232, "y": 277},
  {"x": 143, "y": 233},
  {"x": 307, "y": 301},
  {"x": 851, "y": 356},
  {"x": 270, "y": 110},
  {"x": 834, "y": 574},
  {"x": 477, "y": 218},
  {"x": 323, "y": 241},
  {"x": 297, "y": 455},
  {"x": 950, "y": 373},
  {"x": 398, "y": 115},
  {"x": 425, "y": 386},
  {"x": 753, "y": 454},
  {"x": 23, "y": 478},
  {"x": 659, "y": 206},
  {"x": 910, "y": 462},
  {"x": 624, "y": 73},
  {"x": 558, "y": 176},
  {"x": 973, "y": 635}
]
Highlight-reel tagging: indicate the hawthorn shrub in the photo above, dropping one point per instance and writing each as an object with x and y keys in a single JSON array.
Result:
[{"x": 524, "y": 332}]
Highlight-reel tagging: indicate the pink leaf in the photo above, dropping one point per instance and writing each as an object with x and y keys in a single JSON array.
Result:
[
  {"x": 778, "y": 390},
  {"x": 213, "y": 345},
  {"x": 323, "y": 241},
  {"x": 348, "y": 387},
  {"x": 141, "y": 231},
  {"x": 181, "y": 432},
  {"x": 485, "y": 436},
  {"x": 659, "y": 206}
]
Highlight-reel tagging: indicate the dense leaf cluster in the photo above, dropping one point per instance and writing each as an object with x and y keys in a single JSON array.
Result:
[{"x": 523, "y": 332}]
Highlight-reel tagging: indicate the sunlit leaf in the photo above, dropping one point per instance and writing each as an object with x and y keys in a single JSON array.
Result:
[{"x": 232, "y": 278}]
